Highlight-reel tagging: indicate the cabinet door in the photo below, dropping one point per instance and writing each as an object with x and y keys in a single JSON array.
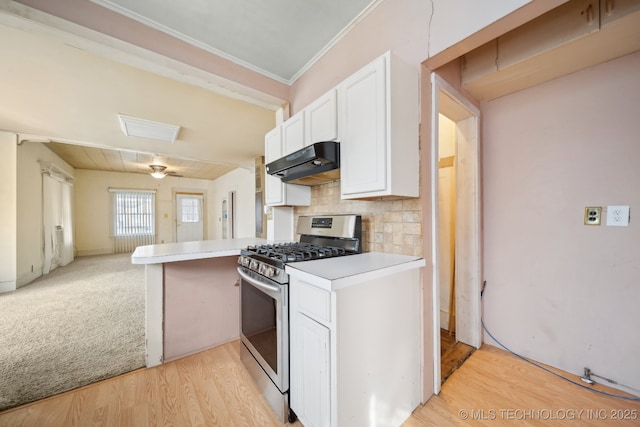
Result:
[
  {"x": 293, "y": 134},
  {"x": 611, "y": 10},
  {"x": 321, "y": 119},
  {"x": 311, "y": 368},
  {"x": 363, "y": 130},
  {"x": 274, "y": 191}
]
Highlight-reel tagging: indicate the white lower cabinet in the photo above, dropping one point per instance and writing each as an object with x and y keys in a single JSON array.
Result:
[
  {"x": 356, "y": 352},
  {"x": 314, "y": 371}
]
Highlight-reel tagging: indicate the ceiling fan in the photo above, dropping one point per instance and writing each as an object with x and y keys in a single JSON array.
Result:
[{"x": 159, "y": 172}]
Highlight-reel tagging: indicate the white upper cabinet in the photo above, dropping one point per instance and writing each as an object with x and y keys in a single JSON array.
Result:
[
  {"x": 273, "y": 185},
  {"x": 317, "y": 122},
  {"x": 321, "y": 119},
  {"x": 374, "y": 114},
  {"x": 278, "y": 193},
  {"x": 293, "y": 134},
  {"x": 378, "y": 131},
  {"x": 363, "y": 130}
]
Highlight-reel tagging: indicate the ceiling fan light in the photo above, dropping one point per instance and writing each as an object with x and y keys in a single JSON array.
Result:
[{"x": 158, "y": 171}]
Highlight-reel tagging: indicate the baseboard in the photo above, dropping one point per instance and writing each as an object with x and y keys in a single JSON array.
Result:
[
  {"x": 28, "y": 278},
  {"x": 7, "y": 286},
  {"x": 92, "y": 252},
  {"x": 171, "y": 359}
]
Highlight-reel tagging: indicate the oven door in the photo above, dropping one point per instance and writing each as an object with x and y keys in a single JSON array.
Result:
[{"x": 264, "y": 324}]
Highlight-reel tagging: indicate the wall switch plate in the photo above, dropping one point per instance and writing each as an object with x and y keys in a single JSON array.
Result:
[
  {"x": 618, "y": 216},
  {"x": 592, "y": 215}
]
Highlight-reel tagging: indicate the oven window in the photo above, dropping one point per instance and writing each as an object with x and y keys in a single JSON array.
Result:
[{"x": 259, "y": 323}]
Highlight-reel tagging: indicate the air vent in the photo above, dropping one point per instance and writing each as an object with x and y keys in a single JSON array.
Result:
[{"x": 142, "y": 128}]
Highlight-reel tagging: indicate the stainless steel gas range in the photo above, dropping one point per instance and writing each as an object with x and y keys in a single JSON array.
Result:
[{"x": 264, "y": 298}]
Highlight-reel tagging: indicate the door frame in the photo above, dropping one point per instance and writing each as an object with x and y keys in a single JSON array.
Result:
[
  {"x": 232, "y": 227},
  {"x": 471, "y": 226}
]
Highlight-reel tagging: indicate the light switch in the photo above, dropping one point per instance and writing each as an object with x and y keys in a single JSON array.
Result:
[{"x": 618, "y": 216}]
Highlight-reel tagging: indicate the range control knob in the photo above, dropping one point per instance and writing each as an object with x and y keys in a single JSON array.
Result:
[
  {"x": 253, "y": 265},
  {"x": 269, "y": 271}
]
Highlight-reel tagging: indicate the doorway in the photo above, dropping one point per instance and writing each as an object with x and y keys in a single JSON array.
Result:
[
  {"x": 229, "y": 216},
  {"x": 189, "y": 217},
  {"x": 456, "y": 229},
  {"x": 57, "y": 221}
]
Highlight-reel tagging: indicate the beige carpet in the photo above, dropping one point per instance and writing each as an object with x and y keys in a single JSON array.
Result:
[{"x": 79, "y": 324}]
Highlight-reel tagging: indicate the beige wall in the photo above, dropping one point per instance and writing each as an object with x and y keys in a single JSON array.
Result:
[
  {"x": 92, "y": 205},
  {"x": 392, "y": 226},
  {"x": 558, "y": 291},
  {"x": 8, "y": 213},
  {"x": 242, "y": 181}
]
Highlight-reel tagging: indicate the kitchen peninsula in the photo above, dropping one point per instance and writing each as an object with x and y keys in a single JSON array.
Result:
[{"x": 191, "y": 302}]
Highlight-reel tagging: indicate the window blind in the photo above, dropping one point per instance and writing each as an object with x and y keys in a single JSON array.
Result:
[{"x": 133, "y": 219}]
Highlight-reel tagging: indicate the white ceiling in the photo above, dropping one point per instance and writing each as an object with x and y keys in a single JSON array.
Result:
[
  {"x": 277, "y": 38},
  {"x": 58, "y": 86}
]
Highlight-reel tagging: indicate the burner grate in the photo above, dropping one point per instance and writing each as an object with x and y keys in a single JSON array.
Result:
[{"x": 296, "y": 251}]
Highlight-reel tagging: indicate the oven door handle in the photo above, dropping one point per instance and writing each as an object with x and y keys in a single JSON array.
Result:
[{"x": 257, "y": 283}]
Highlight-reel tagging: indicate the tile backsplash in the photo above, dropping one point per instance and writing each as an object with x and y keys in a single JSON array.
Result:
[{"x": 392, "y": 226}]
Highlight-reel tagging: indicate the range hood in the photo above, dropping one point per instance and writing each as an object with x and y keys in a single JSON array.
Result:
[{"x": 316, "y": 164}]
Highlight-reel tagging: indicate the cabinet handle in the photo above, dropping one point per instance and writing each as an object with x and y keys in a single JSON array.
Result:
[
  {"x": 589, "y": 13},
  {"x": 608, "y": 7}
]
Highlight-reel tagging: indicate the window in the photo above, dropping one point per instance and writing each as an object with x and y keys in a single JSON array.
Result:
[
  {"x": 190, "y": 210},
  {"x": 133, "y": 213}
]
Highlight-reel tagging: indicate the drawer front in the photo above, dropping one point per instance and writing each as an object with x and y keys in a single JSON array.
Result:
[{"x": 314, "y": 301}]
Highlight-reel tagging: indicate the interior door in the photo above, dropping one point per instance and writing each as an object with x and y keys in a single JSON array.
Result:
[{"x": 189, "y": 217}]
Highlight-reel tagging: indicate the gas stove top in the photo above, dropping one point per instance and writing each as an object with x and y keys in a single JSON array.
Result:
[
  {"x": 295, "y": 251},
  {"x": 320, "y": 237}
]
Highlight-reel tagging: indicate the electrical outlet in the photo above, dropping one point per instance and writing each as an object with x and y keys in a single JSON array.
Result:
[
  {"x": 592, "y": 215},
  {"x": 618, "y": 216}
]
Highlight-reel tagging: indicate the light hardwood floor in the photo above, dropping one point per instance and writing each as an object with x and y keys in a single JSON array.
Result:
[
  {"x": 494, "y": 388},
  {"x": 212, "y": 388}
]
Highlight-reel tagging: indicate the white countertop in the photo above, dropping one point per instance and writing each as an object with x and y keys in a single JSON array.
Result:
[
  {"x": 171, "y": 252},
  {"x": 335, "y": 273}
]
